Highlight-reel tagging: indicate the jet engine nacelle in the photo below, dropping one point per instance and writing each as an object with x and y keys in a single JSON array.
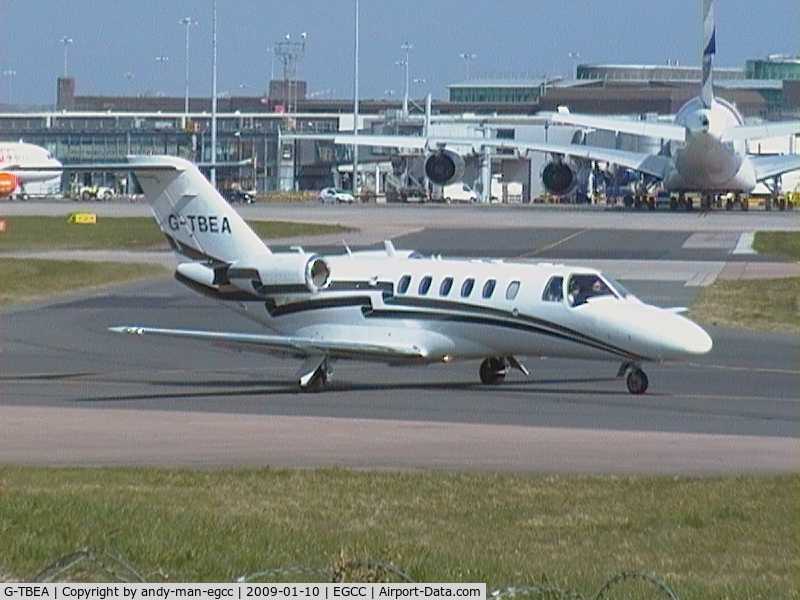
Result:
[
  {"x": 8, "y": 183},
  {"x": 283, "y": 273},
  {"x": 444, "y": 166},
  {"x": 560, "y": 177}
]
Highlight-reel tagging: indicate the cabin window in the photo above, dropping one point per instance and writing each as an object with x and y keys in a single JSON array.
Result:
[
  {"x": 466, "y": 287},
  {"x": 446, "y": 286},
  {"x": 425, "y": 285},
  {"x": 554, "y": 290},
  {"x": 488, "y": 288},
  {"x": 402, "y": 286},
  {"x": 512, "y": 290}
]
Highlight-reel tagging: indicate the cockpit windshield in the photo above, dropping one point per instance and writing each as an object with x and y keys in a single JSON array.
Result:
[
  {"x": 615, "y": 285},
  {"x": 584, "y": 286}
]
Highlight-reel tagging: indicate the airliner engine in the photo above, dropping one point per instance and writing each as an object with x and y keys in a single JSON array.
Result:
[
  {"x": 283, "y": 273},
  {"x": 444, "y": 166},
  {"x": 8, "y": 183},
  {"x": 560, "y": 177}
]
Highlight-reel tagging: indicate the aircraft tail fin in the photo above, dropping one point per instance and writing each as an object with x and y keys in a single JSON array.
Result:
[
  {"x": 198, "y": 222},
  {"x": 709, "y": 49}
]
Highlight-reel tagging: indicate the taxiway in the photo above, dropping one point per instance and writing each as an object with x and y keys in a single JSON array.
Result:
[{"x": 73, "y": 393}]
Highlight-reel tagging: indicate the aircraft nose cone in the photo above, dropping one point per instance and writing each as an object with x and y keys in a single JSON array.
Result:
[{"x": 686, "y": 337}]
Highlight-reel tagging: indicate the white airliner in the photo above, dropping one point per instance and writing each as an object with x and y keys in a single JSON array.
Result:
[
  {"x": 18, "y": 164},
  {"x": 710, "y": 155},
  {"x": 394, "y": 306},
  {"x": 707, "y": 152}
]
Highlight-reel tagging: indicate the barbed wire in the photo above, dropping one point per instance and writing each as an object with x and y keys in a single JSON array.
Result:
[
  {"x": 87, "y": 560},
  {"x": 78, "y": 565}
]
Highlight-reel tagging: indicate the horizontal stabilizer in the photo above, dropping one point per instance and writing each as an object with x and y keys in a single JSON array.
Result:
[
  {"x": 762, "y": 131},
  {"x": 767, "y": 167},
  {"x": 667, "y": 131}
]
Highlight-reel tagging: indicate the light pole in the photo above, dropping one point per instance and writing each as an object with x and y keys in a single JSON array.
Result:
[
  {"x": 162, "y": 60},
  {"x": 129, "y": 77},
  {"x": 187, "y": 22},
  {"x": 66, "y": 41},
  {"x": 10, "y": 73},
  {"x": 214, "y": 93},
  {"x": 354, "y": 178},
  {"x": 271, "y": 66},
  {"x": 407, "y": 47},
  {"x": 466, "y": 58}
]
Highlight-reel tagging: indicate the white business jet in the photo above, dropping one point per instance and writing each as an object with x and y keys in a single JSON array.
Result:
[
  {"x": 397, "y": 307},
  {"x": 22, "y": 163}
]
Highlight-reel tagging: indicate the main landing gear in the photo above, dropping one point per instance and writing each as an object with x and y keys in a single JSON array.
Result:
[
  {"x": 635, "y": 378},
  {"x": 313, "y": 374},
  {"x": 493, "y": 369}
]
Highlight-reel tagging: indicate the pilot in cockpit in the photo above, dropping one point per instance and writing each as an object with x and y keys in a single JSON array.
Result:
[{"x": 583, "y": 287}]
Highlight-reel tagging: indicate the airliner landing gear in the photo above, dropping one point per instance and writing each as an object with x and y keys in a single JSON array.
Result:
[
  {"x": 493, "y": 370},
  {"x": 313, "y": 374},
  {"x": 635, "y": 378}
]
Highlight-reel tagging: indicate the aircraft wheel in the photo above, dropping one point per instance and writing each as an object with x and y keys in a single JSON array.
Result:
[
  {"x": 316, "y": 383},
  {"x": 492, "y": 371},
  {"x": 636, "y": 381}
]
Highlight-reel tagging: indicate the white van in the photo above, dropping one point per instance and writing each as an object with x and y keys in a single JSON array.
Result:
[{"x": 459, "y": 192}]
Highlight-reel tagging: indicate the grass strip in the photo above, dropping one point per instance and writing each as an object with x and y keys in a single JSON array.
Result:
[
  {"x": 121, "y": 233},
  {"x": 732, "y": 537},
  {"x": 22, "y": 280},
  {"x": 782, "y": 244},
  {"x": 765, "y": 304}
]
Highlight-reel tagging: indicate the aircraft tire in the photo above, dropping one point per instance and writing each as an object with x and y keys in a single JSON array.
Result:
[
  {"x": 492, "y": 371},
  {"x": 636, "y": 381}
]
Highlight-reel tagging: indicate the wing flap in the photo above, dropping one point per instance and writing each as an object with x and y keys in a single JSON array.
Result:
[{"x": 288, "y": 344}]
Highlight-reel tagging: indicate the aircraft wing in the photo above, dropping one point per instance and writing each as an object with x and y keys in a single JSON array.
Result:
[
  {"x": 288, "y": 344},
  {"x": 774, "y": 165},
  {"x": 764, "y": 130},
  {"x": 668, "y": 131},
  {"x": 649, "y": 164},
  {"x": 125, "y": 166},
  {"x": 105, "y": 167}
]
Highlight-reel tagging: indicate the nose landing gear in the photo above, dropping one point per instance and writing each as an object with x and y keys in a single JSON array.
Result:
[
  {"x": 635, "y": 378},
  {"x": 313, "y": 374}
]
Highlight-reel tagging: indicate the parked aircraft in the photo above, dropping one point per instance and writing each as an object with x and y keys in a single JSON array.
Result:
[
  {"x": 396, "y": 307},
  {"x": 709, "y": 153},
  {"x": 704, "y": 147},
  {"x": 18, "y": 164}
]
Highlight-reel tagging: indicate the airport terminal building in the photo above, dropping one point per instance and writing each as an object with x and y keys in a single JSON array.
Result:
[{"x": 93, "y": 128}]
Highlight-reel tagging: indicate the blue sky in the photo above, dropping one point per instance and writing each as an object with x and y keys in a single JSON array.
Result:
[{"x": 513, "y": 37}]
